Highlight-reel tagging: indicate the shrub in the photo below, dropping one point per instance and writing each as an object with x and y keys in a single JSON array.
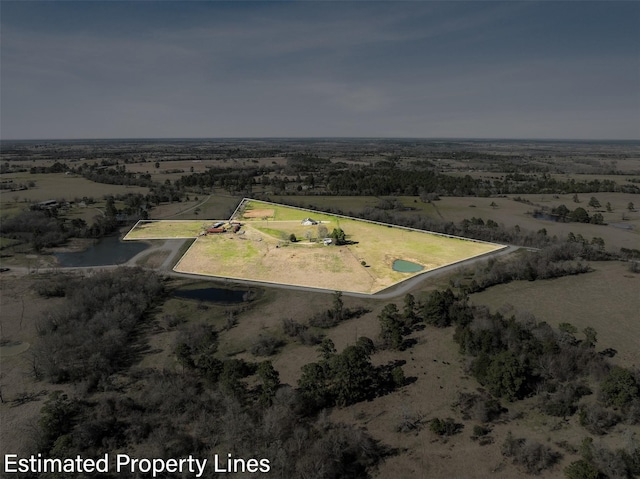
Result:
[
  {"x": 597, "y": 420},
  {"x": 445, "y": 427},
  {"x": 563, "y": 402},
  {"x": 531, "y": 455},
  {"x": 482, "y": 408},
  {"x": 266, "y": 345},
  {"x": 399, "y": 379},
  {"x": 409, "y": 422},
  {"x": 55, "y": 286},
  {"x": 479, "y": 431},
  {"x": 632, "y": 415},
  {"x": 581, "y": 470},
  {"x": 620, "y": 387},
  {"x": 292, "y": 328}
]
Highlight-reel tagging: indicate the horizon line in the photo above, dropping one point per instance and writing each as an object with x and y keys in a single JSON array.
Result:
[{"x": 218, "y": 138}]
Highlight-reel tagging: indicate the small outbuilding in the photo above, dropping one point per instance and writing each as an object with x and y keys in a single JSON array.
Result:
[{"x": 309, "y": 222}]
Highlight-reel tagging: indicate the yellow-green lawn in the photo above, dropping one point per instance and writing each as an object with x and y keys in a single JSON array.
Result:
[{"x": 165, "y": 229}]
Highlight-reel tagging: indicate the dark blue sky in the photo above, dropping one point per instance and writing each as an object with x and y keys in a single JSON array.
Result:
[{"x": 375, "y": 69}]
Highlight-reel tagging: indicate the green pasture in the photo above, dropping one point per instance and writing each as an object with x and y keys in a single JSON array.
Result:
[
  {"x": 58, "y": 186},
  {"x": 344, "y": 203},
  {"x": 284, "y": 213},
  {"x": 213, "y": 206},
  {"x": 167, "y": 229},
  {"x": 217, "y": 247}
]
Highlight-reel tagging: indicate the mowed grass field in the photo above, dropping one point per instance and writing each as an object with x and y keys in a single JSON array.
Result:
[
  {"x": 261, "y": 251},
  {"x": 164, "y": 229}
]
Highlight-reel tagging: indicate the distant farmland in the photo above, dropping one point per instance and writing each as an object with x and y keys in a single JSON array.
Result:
[{"x": 262, "y": 249}]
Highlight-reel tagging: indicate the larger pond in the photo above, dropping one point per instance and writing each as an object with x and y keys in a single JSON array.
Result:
[
  {"x": 106, "y": 251},
  {"x": 215, "y": 295},
  {"x": 406, "y": 266}
]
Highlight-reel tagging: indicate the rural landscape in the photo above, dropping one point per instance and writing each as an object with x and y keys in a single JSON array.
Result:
[{"x": 345, "y": 308}]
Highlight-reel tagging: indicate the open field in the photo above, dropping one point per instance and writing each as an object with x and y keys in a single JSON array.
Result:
[
  {"x": 56, "y": 186},
  {"x": 212, "y": 206},
  {"x": 166, "y": 229},
  {"x": 262, "y": 250},
  {"x": 606, "y": 299}
]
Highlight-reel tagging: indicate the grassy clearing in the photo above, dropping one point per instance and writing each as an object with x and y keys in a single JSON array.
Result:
[
  {"x": 166, "y": 229},
  {"x": 57, "y": 186},
  {"x": 214, "y": 206},
  {"x": 606, "y": 300}
]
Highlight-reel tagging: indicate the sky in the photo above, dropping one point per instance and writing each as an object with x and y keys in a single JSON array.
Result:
[{"x": 417, "y": 69}]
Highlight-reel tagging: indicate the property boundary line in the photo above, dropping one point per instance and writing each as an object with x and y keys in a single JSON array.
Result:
[{"x": 245, "y": 200}]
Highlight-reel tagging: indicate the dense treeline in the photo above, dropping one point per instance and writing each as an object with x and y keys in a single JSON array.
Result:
[
  {"x": 39, "y": 228},
  {"x": 93, "y": 334},
  {"x": 46, "y": 228},
  {"x": 554, "y": 261},
  {"x": 116, "y": 176},
  {"x": 229, "y": 178},
  {"x": 375, "y": 181}
]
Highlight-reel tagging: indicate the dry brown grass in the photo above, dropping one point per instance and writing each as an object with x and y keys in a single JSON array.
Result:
[
  {"x": 259, "y": 213},
  {"x": 607, "y": 300},
  {"x": 56, "y": 186}
]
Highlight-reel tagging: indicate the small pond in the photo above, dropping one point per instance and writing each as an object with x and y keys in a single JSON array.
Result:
[
  {"x": 106, "y": 251},
  {"x": 215, "y": 295},
  {"x": 548, "y": 217},
  {"x": 406, "y": 266}
]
